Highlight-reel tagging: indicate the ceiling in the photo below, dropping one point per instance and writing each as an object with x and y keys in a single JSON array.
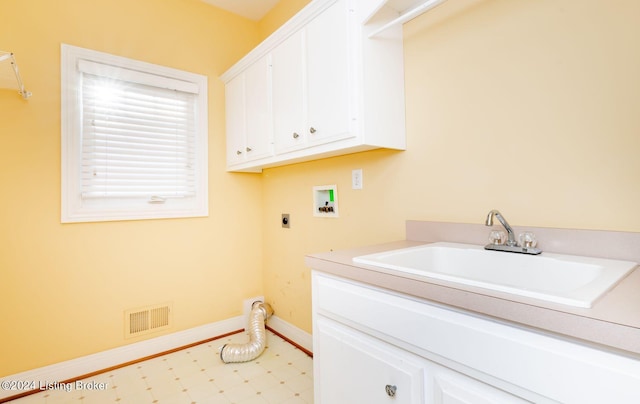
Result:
[{"x": 252, "y": 9}]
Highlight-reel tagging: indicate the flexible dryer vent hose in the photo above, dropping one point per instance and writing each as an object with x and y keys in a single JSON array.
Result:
[{"x": 260, "y": 312}]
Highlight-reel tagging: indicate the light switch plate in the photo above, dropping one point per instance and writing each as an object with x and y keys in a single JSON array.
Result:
[{"x": 356, "y": 179}]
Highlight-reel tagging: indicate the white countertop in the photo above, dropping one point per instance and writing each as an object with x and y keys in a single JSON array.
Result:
[{"x": 612, "y": 323}]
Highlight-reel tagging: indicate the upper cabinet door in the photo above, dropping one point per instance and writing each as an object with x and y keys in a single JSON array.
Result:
[
  {"x": 248, "y": 114},
  {"x": 329, "y": 91},
  {"x": 235, "y": 115},
  {"x": 258, "y": 110},
  {"x": 289, "y": 106}
]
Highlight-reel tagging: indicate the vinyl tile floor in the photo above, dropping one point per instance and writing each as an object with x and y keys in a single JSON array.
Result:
[{"x": 283, "y": 374}]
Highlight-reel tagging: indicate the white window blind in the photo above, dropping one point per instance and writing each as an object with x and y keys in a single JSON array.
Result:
[
  {"x": 137, "y": 140},
  {"x": 134, "y": 139}
]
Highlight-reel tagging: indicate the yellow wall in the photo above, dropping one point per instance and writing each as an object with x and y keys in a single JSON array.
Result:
[
  {"x": 531, "y": 107},
  {"x": 63, "y": 288}
]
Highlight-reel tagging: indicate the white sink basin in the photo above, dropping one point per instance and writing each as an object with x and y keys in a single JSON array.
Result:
[{"x": 566, "y": 279}]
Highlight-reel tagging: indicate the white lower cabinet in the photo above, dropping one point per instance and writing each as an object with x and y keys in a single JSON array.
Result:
[
  {"x": 376, "y": 346},
  {"x": 357, "y": 368}
]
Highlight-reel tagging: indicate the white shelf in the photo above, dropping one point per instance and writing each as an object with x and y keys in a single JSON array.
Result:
[
  {"x": 407, "y": 10},
  {"x": 10, "y": 74}
]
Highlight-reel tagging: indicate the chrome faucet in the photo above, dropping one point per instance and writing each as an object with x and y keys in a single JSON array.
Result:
[
  {"x": 510, "y": 245},
  {"x": 511, "y": 238}
]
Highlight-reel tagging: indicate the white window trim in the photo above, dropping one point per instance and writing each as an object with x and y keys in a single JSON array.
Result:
[{"x": 74, "y": 208}]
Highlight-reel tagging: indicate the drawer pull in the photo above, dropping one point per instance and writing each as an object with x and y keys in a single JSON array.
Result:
[
  {"x": 295, "y": 135},
  {"x": 238, "y": 152},
  {"x": 312, "y": 130},
  {"x": 391, "y": 390},
  {"x": 248, "y": 149}
]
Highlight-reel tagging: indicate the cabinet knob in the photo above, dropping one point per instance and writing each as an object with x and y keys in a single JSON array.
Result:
[
  {"x": 295, "y": 135},
  {"x": 391, "y": 390},
  {"x": 312, "y": 130},
  {"x": 238, "y": 152},
  {"x": 248, "y": 149}
]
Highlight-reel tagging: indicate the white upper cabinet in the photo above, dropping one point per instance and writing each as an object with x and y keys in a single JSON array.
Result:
[
  {"x": 288, "y": 75},
  {"x": 236, "y": 130},
  {"x": 311, "y": 97},
  {"x": 249, "y": 118},
  {"x": 330, "y": 90},
  {"x": 258, "y": 107},
  {"x": 329, "y": 96}
]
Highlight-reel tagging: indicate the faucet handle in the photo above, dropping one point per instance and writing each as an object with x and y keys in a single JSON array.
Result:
[
  {"x": 527, "y": 239},
  {"x": 497, "y": 237}
]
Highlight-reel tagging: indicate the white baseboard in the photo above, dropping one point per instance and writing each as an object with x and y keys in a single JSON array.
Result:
[
  {"x": 295, "y": 334},
  {"x": 113, "y": 357}
]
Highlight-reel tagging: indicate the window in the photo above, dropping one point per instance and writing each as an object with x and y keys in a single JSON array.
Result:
[{"x": 134, "y": 139}]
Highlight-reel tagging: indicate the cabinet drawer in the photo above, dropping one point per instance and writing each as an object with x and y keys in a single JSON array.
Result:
[{"x": 539, "y": 364}]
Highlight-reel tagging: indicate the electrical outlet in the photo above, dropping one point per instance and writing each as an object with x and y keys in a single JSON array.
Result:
[{"x": 356, "y": 179}]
